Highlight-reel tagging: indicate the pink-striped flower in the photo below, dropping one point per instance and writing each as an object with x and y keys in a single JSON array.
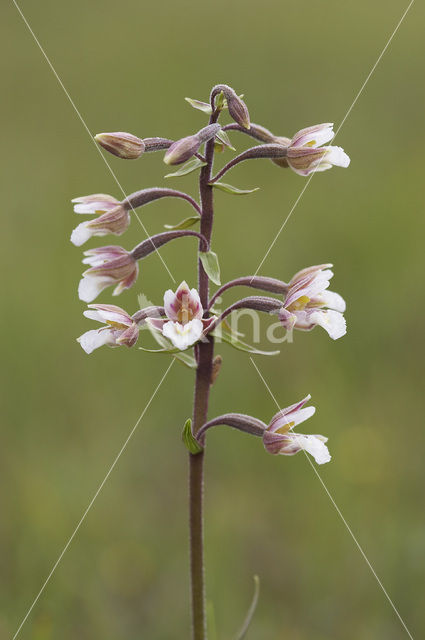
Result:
[
  {"x": 113, "y": 217},
  {"x": 306, "y": 153},
  {"x": 184, "y": 311},
  {"x": 108, "y": 266},
  {"x": 120, "y": 328},
  {"x": 279, "y": 439},
  {"x": 308, "y": 303}
]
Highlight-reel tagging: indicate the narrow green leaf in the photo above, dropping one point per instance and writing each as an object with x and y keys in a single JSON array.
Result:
[
  {"x": 240, "y": 345},
  {"x": 202, "y": 106},
  {"x": 186, "y": 359},
  {"x": 209, "y": 261},
  {"x": 183, "y": 224},
  {"x": 189, "y": 440},
  {"x": 242, "y": 632},
  {"x": 224, "y": 138},
  {"x": 187, "y": 167},
  {"x": 228, "y": 188}
]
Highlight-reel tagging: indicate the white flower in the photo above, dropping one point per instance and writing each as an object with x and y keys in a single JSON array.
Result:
[
  {"x": 109, "y": 266},
  {"x": 279, "y": 439},
  {"x": 184, "y": 311},
  {"x": 120, "y": 328},
  {"x": 113, "y": 217},
  {"x": 308, "y": 303},
  {"x": 306, "y": 153}
]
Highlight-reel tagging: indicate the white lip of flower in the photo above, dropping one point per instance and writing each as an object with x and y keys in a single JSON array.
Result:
[
  {"x": 313, "y": 444},
  {"x": 183, "y": 335},
  {"x": 184, "y": 311}
]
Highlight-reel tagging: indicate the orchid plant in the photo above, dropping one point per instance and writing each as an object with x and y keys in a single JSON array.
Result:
[{"x": 187, "y": 324}]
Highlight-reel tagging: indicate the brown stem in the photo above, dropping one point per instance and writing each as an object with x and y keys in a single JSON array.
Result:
[{"x": 205, "y": 354}]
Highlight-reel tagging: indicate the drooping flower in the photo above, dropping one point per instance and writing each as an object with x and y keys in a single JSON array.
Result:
[
  {"x": 113, "y": 217},
  {"x": 308, "y": 303},
  {"x": 306, "y": 154},
  {"x": 120, "y": 328},
  {"x": 109, "y": 266},
  {"x": 279, "y": 439},
  {"x": 184, "y": 311}
]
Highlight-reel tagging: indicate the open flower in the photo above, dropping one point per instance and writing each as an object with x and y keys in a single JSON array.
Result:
[
  {"x": 305, "y": 153},
  {"x": 184, "y": 311},
  {"x": 279, "y": 439},
  {"x": 113, "y": 217},
  {"x": 120, "y": 328},
  {"x": 109, "y": 266},
  {"x": 308, "y": 303}
]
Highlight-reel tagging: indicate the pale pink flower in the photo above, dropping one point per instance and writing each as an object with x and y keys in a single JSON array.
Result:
[
  {"x": 308, "y": 303},
  {"x": 120, "y": 328},
  {"x": 279, "y": 439},
  {"x": 184, "y": 311},
  {"x": 306, "y": 153},
  {"x": 109, "y": 266},
  {"x": 113, "y": 217}
]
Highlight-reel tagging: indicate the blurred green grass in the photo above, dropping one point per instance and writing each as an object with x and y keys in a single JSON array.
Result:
[{"x": 128, "y": 66}]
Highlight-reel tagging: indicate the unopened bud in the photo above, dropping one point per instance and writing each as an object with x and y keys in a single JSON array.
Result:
[
  {"x": 237, "y": 107},
  {"x": 121, "y": 144},
  {"x": 183, "y": 149}
]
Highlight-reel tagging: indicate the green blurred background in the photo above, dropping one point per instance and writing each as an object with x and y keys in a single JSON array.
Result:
[{"x": 128, "y": 66}]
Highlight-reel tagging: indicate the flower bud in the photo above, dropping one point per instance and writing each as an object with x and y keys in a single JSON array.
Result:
[
  {"x": 121, "y": 144},
  {"x": 237, "y": 107},
  {"x": 183, "y": 149}
]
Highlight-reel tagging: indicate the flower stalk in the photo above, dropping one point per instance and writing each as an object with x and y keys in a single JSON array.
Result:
[{"x": 188, "y": 319}]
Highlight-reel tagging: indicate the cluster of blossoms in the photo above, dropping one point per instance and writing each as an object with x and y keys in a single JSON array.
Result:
[{"x": 187, "y": 320}]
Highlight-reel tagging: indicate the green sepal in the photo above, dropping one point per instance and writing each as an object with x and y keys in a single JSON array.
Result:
[
  {"x": 201, "y": 106},
  {"x": 228, "y": 188},
  {"x": 238, "y": 344},
  {"x": 187, "y": 167},
  {"x": 192, "y": 445},
  {"x": 183, "y": 224},
  {"x": 209, "y": 261}
]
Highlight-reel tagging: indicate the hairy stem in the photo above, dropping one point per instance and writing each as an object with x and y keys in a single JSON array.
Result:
[{"x": 205, "y": 354}]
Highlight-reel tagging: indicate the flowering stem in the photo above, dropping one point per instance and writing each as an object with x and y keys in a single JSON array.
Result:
[{"x": 205, "y": 354}]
